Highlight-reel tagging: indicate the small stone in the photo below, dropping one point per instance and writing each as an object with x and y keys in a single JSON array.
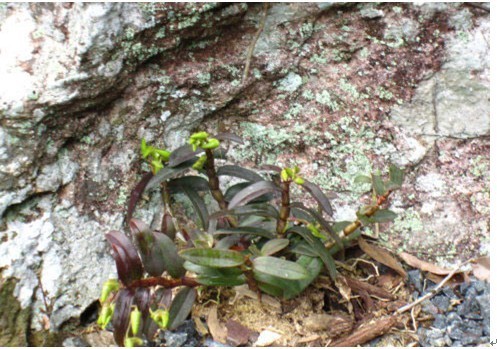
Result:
[
  {"x": 455, "y": 332},
  {"x": 440, "y": 322},
  {"x": 172, "y": 339},
  {"x": 481, "y": 286},
  {"x": 449, "y": 292},
  {"x": 429, "y": 307},
  {"x": 266, "y": 338},
  {"x": 453, "y": 318},
  {"x": 371, "y": 13},
  {"x": 441, "y": 302},
  {"x": 75, "y": 342},
  {"x": 473, "y": 316},
  {"x": 209, "y": 342},
  {"x": 464, "y": 287},
  {"x": 456, "y": 344},
  {"x": 416, "y": 279}
]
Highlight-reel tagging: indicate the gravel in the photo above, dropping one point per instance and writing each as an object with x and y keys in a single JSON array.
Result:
[{"x": 461, "y": 314}]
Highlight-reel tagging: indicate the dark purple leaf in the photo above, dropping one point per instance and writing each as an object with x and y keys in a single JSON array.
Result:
[
  {"x": 182, "y": 154},
  {"x": 272, "y": 168},
  {"x": 239, "y": 172},
  {"x": 162, "y": 298},
  {"x": 142, "y": 301},
  {"x": 128, "y": 263},
  {"x": 181, "y": 307},
  {"x": 227, "y": 136},
  {"x": 199, "y": 206},
  {"x": 251, "y": 192},
  {"x": 264, "y": 210},
  {"x": 246, "y": 230},
  {"x": 158, "y": 252},
  {"x": 122, "y": 310},
  {"x": 168, "y": 173},
  {"x": 136, "y": 194},
  {"x": 318, "y": 194},
  {"x": 193, "y": 182},
  {"x": 236, "y": 188},
  {"x": 167, "y": 225}
]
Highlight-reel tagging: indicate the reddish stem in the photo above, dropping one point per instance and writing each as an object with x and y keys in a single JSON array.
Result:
[{"x": 166, "y": 283}]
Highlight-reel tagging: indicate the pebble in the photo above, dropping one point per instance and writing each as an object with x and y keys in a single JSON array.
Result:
[{"x": 467, "y": 324}]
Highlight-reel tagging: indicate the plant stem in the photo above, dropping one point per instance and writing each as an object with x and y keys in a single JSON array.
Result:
[
  {"x": 285, "y": 208},
  {"x": 216, "y": 192},
  {"x": 349, "y": 229},
  {"x": 164, "y": 282}
]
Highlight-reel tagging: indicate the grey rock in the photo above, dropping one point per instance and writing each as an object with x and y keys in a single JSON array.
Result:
[
  {"x": 371, "y": 13},
  {"x": 75, "y": 342},
  {"x": 484, "y": 305},
  {"x": 449, "y": 292},
  {"x": 174, "y": 339}
]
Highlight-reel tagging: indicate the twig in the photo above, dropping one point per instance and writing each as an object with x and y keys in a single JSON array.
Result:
[
  {"x": 433, "y": 291},
  {"x": 252, "y": 44}
]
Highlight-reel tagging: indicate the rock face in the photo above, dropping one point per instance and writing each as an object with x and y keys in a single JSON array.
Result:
[{"x": 337, "y": 88}]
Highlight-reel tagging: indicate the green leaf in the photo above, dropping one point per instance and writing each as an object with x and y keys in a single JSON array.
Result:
[
  {"x": 246, "y": 230},
  {"x": 365, "y": 220},
  {"x": 181, "y": 306},
  {"x": 305, "y": 249},
  {"x": 320, "y": 219},
  {"x": 287, "y": 289},
  {"x": 214, "y": 258},
  {"x": 273, "y": 246},
  {"x": 212, "y": 272},
  {"x": 378, "y": 185},
  {"x": 396, "y": 177},
  {"x": 239, "y": 172},
  {"x": 339, "y": 226},
  {"x": 382, "y": 216},
  {"x": 252, "y": 192},
  {"x": 317, "y": 246},
  {"x": 280, "y": 268},
  {"x": 362, "y": 179}
]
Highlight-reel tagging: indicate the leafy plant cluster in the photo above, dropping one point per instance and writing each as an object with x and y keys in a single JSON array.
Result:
[{"x": 259, "y": 236}]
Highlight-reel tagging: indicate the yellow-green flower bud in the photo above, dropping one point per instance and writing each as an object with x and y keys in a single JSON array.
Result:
[
  {"x": 110, "y": 286},
  {"x": 145, "y": 149},
  {"x": 212, "y": 143},
  {"x": 200, "y": 136},
  {"x": 284, "y": 175},
  {"x": 105, "y": 315},
  {"x": 164, "y": 154},
  {"x": 160, "y": 317},
  {"x": 131, "y": 342},
  {"x": 199, "y": 164},
  {"x": 135, "y": 320},
  {"x": 157, "y": 166},
  {"x": 315, "y": 231},
  {"x": 299, "y": 180}
]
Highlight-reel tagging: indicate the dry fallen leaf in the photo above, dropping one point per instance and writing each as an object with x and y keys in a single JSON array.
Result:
[
  {"x": 383, "y": 256},
  {"x": 218, "y": 331},
  {"x": 422, "y": 265},
  {"x": 345, "y": 291},
  {"x": 237, "y": 333},
  {"x": 266, "y": 338},
  {"x": 481, "y": 268}
]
